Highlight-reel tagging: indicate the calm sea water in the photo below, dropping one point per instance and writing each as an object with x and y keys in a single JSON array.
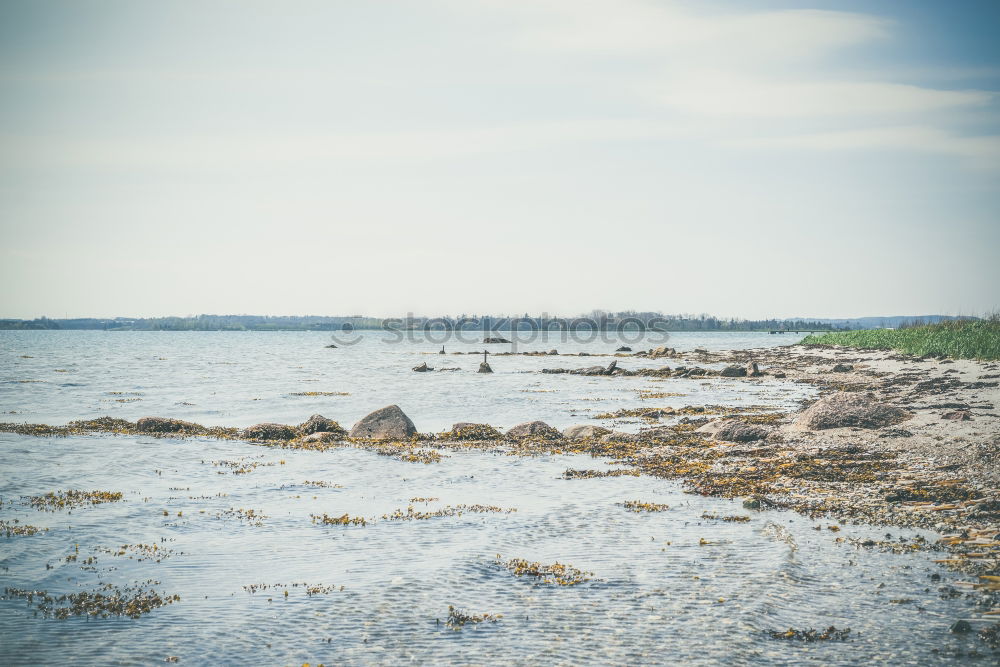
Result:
[{"x": 658, "y": 594}]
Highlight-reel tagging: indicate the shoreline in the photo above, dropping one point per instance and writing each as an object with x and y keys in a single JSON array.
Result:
[{"x": 934, "y": 465}]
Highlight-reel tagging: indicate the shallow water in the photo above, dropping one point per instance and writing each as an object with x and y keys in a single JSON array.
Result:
[
  {"x": 658, "y": 594},
  {"x": 236, "y": 379}
]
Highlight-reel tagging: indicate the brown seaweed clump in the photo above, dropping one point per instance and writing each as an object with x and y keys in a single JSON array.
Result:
[
  {"x": 557, "y": 573},
  {"x": 61, "y": 500},
  {"x": 343, "y": 520},
  {"x": 640, "y": 506},
  {"x": 17, "y": 529},
  {"x": 411, "y": 514},
  {"x": 125, "y": 601},
  {"x": 811, "y": 635},
  {"x": 457, "y": 618}
]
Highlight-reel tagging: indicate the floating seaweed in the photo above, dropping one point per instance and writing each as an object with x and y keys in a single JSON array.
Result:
[
  {"x": 457, "y": 619},
  {"x": 123, "y": 601},
  {"x": 61, "y": 500},
  {"x": 17, "y": 529},
  {"x": 248, "y": 516},
  {"x": 735, "y": 518},
  {"x": 556, "y": 573},
  {"x": 344, "y": 520},
  {"x": 640, "y": 506},
  {"x": 810, "y": 635},
  {"x": 458, "y": 510}
]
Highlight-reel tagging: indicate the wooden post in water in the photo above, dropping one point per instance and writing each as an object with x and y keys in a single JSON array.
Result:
[{"x": 485, "y": 366}]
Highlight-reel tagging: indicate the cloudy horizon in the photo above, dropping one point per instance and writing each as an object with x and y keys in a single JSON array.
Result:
[{"x": 746, "y": 159}]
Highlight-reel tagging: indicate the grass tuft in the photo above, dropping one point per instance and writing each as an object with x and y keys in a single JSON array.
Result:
[{"x": 960, "y": 339}]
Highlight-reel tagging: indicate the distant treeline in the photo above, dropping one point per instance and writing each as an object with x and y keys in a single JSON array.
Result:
[{"x": 596, "y": 320}]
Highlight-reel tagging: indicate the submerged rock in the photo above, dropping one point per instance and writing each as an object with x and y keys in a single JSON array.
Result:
[
  {"x": 323, "y": 437},
  {"x": 269, "y": 431},
  {"x": 388, "y": 423},
  {"x": 165, "y": 425},
  {"x": 850, "y": 409},
  {"x": 583, "y": 431},
  {"x": 319, "y": 424},
  {"x": 535, "y": 429}
]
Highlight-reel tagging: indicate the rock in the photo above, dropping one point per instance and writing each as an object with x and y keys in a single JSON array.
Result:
[
  {"x": 662, "y": 351},
  {"x": 624, "y": 348},
  {"x": 331, "y": 346},
  {"x": 656, "y": 414},
  {"x": 961, "y": 627},
  {"x": 958, "y": 415},
  {"x": 319, "y": 424},
  {"x": 843, "y": 368},
  {"x": 850, "y": 409},
  {"x": 733, "y": 372},
  {"x": 753, "y": 370},
  {"x": 422, "y": 368},
  {"x": 777, "y": 374},
  {"x": 535, "y": 429},
  {"x": 584, "y": 431},
  {"x": 471, "y": 431},
  {"x": 484, "y": 367},
  {"x": 553, "y": 351},
  {"x": 165, "y": 425},
  {"x": 700, "y": 350},
  {"x": 495, "y": 339},
  {"x": 752, "y": 504},
  {"x": 323, "y": 437},
  {"x": 736, "y": 431},
  {"x": 269, "y": 431},
  {"x": 388, "y": 423},
  {"x": 611, "y": 368}
]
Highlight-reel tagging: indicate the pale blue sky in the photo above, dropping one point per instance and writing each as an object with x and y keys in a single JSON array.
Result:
[{"x": 439, "y": 156}]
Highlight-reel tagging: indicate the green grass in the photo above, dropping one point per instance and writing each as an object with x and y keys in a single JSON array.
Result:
[{"x": 960, "y": 339}]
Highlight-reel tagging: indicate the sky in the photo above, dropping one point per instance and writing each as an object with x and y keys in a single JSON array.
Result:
[{"x": 745, "y": 159}]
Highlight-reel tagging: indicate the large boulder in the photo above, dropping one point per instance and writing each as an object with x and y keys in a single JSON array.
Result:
[
  {"x": 584, "y": 431},
  {"x": 850, "y": 409},
  {"x": 165, "y": 425},
  {"x": 320, "y": 424},
  {"x": 388, "y": 423},
  {"x": 736, "y": 431},
  {"x": 269, "y": 431},
  {"x": 535, "y": 429}
]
